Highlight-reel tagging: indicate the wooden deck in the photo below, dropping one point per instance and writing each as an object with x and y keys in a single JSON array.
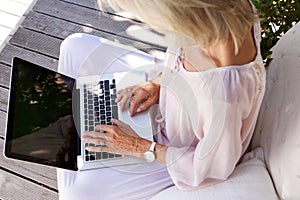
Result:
[{"x": 38, "y": 39}]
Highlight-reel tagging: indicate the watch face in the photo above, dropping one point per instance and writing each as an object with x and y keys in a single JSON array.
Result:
[{"x": 149, "y": 156}]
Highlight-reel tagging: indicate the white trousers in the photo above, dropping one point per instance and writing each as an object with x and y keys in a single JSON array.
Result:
[{"x": 83, "y": 54}]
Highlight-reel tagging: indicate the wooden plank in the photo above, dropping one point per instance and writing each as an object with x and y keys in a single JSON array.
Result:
[
  {"x": 83, "y": 16},
  {"x": 2, "y": 124},
  {"x": 37, "y": 42},
  {"x": 61, "y": 29},
  {"x": 39, "y": 173},
  {"x": 11, "y": 51},
  {"x": 3, "y": 98},
  {"x": 15, "y": 188},
  {"x": 93, "y": 4},
  {"x": 24, "y": 2},
  {"x": 4, "y": 75},
  {"x": 13, "y": 7},
  {"x": 4, "y": 32},
  {"x": 96, "y": 20},
  {"x": 8, "y": 20}
]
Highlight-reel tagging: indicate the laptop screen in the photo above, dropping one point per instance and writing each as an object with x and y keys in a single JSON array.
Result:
[{"x": 40, "y": 124}]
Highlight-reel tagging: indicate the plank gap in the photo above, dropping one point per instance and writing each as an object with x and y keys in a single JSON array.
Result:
[
  {"x": 34, "y": 51},
  {"x": 103, "y": 11}
]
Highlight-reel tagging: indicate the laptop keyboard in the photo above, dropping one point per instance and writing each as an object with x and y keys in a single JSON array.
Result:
[{"x": 99, "y": 108}]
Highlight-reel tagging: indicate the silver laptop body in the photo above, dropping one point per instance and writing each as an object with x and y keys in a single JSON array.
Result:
[{"x": 99, "y": 89}]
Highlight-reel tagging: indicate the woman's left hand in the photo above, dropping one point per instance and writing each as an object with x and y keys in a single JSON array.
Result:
[{"x": 119, "y": 139}]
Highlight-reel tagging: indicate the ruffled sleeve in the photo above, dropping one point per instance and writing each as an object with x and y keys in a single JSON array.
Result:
[{"x": 224, "y": 130}]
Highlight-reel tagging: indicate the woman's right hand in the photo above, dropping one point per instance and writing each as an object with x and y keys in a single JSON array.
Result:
[{"x": 140, "y": 97}]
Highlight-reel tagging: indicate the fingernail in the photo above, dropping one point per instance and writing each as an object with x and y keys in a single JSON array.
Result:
[{"x": 138, "y": 110}]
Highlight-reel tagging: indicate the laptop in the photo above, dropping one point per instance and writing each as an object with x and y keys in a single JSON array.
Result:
[{"x": 49, "y": 111}]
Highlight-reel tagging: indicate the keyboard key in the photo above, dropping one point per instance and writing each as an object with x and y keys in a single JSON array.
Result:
[
  {"x": 113, "y": 96},
  {"x": 92, "y": 157},
  {"x": 104, "y": 155},
  {"x": 110, "y": 155},
  {"x": 106, "y": 85},
  {"x": 98, "y": 155},
  {"x": 115, "y": 112}
]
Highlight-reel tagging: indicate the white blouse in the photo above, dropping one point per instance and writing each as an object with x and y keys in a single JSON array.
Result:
[{"x": 208, "y": 117}]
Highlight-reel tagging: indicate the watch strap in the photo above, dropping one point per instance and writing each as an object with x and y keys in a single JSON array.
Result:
[{"x": 152, "y": 146}]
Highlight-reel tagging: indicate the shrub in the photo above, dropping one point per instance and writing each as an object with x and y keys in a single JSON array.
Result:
[{"x": 277, "y": 17}]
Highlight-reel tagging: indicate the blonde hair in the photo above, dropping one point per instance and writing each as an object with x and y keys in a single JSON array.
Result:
[{"x": 207, "y": 22}]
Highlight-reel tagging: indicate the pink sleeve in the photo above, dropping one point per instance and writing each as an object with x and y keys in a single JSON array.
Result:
[{"x": 214, "y": 158}]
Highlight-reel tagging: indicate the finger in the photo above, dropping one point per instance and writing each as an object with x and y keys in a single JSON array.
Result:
[
  {"x": 96, "y": 141},
  {"x": 108, "y": 148},
  {"x": 119, "y": 123},
  {"x": 106, "y": 128},
  {"x": 96, "y": 149},
  {"x": 139, "y": 97},
  {"x": 144, "y": 106},
  {"x": 92, "y": 134},
  {"x": 120, "y": 95},
  {"x": 123, "y": 103}
]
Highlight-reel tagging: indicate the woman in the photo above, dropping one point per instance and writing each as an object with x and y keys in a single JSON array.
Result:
[{"x": 209, "y": 95}]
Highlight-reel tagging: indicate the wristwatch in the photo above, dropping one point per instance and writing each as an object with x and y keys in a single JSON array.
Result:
[{"x": 150, "y": 155}]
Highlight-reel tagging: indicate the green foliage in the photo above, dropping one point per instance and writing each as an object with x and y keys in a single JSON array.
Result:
[{"x": 277, "y": 17}]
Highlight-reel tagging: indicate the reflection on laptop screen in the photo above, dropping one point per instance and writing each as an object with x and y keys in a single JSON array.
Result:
[{"x": 40, "y": 122}]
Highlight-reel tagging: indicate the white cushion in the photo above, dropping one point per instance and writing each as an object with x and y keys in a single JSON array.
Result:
[
  {"x": 278, "y": 127},
  {"x": 250, "y": 180}
]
